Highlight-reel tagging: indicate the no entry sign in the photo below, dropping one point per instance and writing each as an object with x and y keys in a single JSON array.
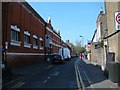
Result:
[{"x": 117, "y": 20}]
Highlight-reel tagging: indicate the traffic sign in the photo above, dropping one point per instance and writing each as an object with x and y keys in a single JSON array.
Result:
[
  {"x": 117, "y": 20},
  {"x": 47, "y": 40}
]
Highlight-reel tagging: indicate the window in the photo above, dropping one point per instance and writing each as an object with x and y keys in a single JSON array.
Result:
[
  {"x": 26, "y": 39},
  {"x": 41, "y": 43},
  {"x": 35, "y": 42},
  {"x": 15, "y": 36}
]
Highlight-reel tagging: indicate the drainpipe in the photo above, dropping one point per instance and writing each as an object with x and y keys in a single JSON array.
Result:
[
  {"x": 0, "y": 26},
  {"x": 6, "y": 23},
  {"x": 45, "y": 56}
]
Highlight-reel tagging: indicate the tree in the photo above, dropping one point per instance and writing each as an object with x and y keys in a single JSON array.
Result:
[{"x": 78, "y": 48}]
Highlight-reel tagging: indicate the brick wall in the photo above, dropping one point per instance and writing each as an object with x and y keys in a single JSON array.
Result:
[
  {"x": 93, "y": 54},
  {"x": 27, "y": 19},
  {"x": 97, "y": 55},
  {"x": 17, "y": 15},
  {"x": 119, "y": 38},
  {"x": 113, "y": 42}
]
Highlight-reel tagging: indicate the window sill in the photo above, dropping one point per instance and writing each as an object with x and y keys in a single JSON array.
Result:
[
  {"x": 35, "y": 47},
  {"x": 41, "y": 48},
  {"x": 15, "y": 43},
  {"x": 27, "y": 45}
]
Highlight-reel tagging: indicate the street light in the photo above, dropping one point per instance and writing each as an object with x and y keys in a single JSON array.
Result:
[{"x": 82, "y": 40}]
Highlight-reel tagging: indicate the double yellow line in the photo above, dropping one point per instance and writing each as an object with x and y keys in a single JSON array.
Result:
[{"x": 78, "y": 76}]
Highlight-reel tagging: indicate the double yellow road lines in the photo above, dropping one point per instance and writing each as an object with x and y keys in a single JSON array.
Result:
[
  {"x": 78, "y": 76},
  {"x": 78, "y": 67}
]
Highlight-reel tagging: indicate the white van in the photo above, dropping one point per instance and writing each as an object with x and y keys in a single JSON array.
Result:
[{"x": 65, "y": 53}]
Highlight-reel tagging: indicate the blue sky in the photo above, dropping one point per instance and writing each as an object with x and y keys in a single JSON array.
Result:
[{"x": 72, "y": 18}]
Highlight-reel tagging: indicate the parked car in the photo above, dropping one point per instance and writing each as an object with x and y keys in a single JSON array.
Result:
[
  {"x": 73, "y": 55},
  {"x": 65, "y": 53},
  {"x": 56, "y": 58}
]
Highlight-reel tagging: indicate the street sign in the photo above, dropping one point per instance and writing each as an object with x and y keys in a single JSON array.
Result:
[
  {"x": 47, "y": 40},
  {"x": 117, "y": 20}
]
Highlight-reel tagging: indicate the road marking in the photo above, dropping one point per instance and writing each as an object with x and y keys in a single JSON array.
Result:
[
  {"x": 91, "y": 86},
  {"x": 48, "y": 67},
  {"x": 83, "y": 87},
  {"x": 11, "y": 82},
  {"x": 55, "y": 74},
  {"x": 78, "y": 76},
  {"x": 26, "y": 76},
  {"x": 22, "y": 78},
  {"x": 45, "y": 81},
  {"x": 78, "y": 83},
  {"x": 15, "y": 85},
  {"x": 21, "y": 84},
  {"x": 49, "y": 77},
  {"x": 18, "y": 85}
]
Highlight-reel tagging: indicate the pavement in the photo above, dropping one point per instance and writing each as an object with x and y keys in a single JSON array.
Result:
[{"x": 95, "y": 77}]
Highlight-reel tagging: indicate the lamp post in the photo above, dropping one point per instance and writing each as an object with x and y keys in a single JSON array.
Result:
[{"x": 82, "y": 40}]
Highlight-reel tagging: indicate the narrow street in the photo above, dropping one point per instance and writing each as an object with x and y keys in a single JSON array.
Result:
[
  {"x": 74, "y": 74},
  {"x": 82, "y": 37},
  {"x": 52, "y": 76}
]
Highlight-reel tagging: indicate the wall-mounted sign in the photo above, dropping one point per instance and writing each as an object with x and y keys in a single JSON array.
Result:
[
  {"x": 117, "y": 20},
  {"x": 47, "y": 40}
]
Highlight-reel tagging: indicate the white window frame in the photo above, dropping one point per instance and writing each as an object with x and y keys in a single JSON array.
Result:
[{"x": 15, "y": 42}]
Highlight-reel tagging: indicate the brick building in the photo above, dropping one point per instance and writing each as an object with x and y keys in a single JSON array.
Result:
[
  {"x": 97, "y": 47},
  {"x": 113, "y": 38},
  {"x": 24, "y": 34},
  {"x": 53, "y": 39},
  {"x": 68, "y": 43}
]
